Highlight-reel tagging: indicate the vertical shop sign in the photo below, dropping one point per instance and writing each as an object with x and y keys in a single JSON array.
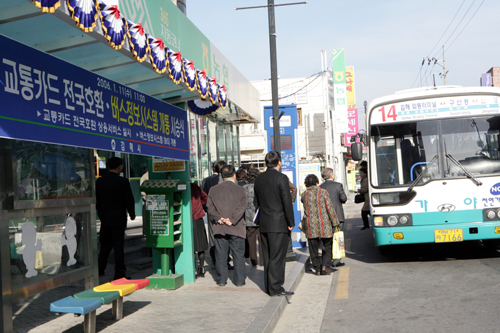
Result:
[
  {"x": 339, "y": 91},
  {"x": 349, "y": 83},
  {"x": 352, "y": 115}
]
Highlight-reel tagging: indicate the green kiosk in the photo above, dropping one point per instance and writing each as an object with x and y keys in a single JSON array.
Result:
[{"x": 164, "y": 226}]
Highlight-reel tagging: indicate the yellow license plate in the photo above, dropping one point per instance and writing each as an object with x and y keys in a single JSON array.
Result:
[{"x": 448, "y": 235}]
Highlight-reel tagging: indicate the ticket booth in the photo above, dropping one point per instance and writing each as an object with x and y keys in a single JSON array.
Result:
[{"x": 164, "y": 226}]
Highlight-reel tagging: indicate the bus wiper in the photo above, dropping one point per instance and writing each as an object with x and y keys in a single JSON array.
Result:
[
  {"x": 415, "y": 182},
  {"x": 467, "y": 173}
]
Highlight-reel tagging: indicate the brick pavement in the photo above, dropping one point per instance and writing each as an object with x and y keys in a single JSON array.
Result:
[{"x": 195, "y": 307}]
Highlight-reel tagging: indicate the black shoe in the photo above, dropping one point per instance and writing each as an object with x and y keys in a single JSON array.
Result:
[
  {"x": 365, "y": 228},
  {"x": 284, "y": 293},
  {"x": 221, "y": 284},
  {"x": 240, "y": 285},
  {"x": 318, "y": 273},
  {"x": 200, "y": 272},
  {"x": 339, "y": 264},
  {"x": 230, "y": 267}
]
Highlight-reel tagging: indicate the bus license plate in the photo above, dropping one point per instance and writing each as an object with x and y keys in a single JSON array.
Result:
[{"x": 448, "y": 235}]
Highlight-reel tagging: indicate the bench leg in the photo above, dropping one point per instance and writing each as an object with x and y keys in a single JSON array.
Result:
[
  {"x": 89, "y": 322},
  {"x": 118, "y": 309}
]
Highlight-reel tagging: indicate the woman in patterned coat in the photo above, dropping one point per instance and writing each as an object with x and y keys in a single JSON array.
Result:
[{"x": 318, "y": 223}]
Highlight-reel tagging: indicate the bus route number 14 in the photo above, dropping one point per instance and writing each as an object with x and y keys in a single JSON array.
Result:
[{"x": 389, "y": 114}]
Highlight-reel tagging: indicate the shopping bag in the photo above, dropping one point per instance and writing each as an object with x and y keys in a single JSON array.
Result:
[{"x": 338, "y": 250}]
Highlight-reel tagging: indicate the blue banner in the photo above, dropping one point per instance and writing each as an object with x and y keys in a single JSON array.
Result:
[{"x": 43, "y": 98}]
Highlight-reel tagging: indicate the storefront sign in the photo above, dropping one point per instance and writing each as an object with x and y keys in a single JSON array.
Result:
[
  {"x": 339, "y": 91},
  {"x": 167, "y": 165},
  {"x": 49, "y": 100}
]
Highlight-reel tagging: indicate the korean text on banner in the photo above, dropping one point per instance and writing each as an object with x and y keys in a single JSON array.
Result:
[{"x": 339, "y": 91}]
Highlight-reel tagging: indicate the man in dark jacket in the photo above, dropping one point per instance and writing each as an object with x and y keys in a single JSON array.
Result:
[
  {"x": 275, "y": 219},
  {"x": 226, "y": 206},
  {"x": 337, "y": 197},
  {"x": 206, "y": 185},
  {"x": 113, "y": 199}
]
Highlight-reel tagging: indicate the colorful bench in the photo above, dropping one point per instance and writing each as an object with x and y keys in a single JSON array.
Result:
[
  {"x": 87, "y": 302},
  {"x": 86, "y": 307}
]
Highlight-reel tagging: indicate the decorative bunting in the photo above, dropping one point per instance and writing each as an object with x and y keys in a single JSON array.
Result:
[
  {"x": 85, "y": 13},
  {"x": 158, "y": 57},
  {"x": 213, "y": 91},
  {"x": 114, "y": 25},
  {"x": 47, "y": 6},
  {"x": 138, "y": 41},
  {"x": 202, "y": 83},
  {"x": 174, "y": 65},
  {"x": 189, "y": 74},
  {"x": 202, "y": 107},
  {"x": 222, "y": 96}
]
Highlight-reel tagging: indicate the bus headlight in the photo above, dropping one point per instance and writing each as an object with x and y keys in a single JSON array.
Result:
[
  {"x": 491, "y": 214},
  {"x": 392, "y": 220},
  {"x": 498, "y": 213},
  {"x": 403, "y": 219},
  {"x": 378, "y": 221}
]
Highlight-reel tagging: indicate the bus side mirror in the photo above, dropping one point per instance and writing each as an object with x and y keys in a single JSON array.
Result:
[{"x": 357, "y": 151}]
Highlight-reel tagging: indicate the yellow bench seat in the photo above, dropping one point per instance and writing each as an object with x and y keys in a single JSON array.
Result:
[{"x": 123, "y": 289}]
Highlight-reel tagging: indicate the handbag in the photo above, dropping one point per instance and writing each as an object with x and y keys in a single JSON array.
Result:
[
  {"x": 338, "y": 250},
  {"x": 359, "y": 198}
]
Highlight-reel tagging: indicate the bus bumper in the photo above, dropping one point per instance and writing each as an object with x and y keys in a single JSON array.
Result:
[{"x": 425, "y": 234}]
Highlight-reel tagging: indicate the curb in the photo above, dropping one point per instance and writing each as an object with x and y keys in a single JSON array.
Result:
[{"x": 268, "y": 317}]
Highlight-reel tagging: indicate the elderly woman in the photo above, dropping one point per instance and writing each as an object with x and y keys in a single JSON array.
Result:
[{"x": 318, "y": 223}]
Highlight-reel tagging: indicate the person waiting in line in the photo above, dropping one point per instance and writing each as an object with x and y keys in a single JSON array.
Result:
[
  {"x": 206, "y": 185},
  {"x": 227, "y": 203},
  {"x": 337, "y": 197},
  {"x": 198, "y": 200},
  {"x": 241, "y": 175},
  {"x": 318, "y": 223},
  {"x": 253, "y": 233},
  {"x": 365, "y": 210}
]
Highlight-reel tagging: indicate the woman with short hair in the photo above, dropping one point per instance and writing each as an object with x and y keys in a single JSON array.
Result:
[{"x": 318, "y": 223}]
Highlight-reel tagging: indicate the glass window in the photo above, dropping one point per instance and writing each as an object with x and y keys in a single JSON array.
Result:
[
  {"x": 473, "y": 142},
  {"x": 205, "y": 163},
  {"x": 221, "y": 139},
  {"x": 193, "y": 142},
  {"x": 236, "y": 145},
  {"x": 44, "y": 246},
  {"x": 401, "y": 152},
  {"x": 47, "y": 171},
  {"x": 229, "y": 143},
  {"x": 214, "y": 151}
]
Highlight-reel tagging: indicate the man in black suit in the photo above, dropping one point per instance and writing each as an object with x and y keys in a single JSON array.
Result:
[
  {"x": 275, "y": 220},
  {"x": 227, "y": 203},
  {"x": 337, "y": 197},
  {"x": 113, "y": 199}
]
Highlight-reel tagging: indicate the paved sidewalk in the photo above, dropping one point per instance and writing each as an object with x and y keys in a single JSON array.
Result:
[{"x": 195, "y": 307}]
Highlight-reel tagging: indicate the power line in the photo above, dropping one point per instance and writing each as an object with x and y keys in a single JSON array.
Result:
[
  {"x": 446, "y": 28},
  {"x": 318, "y": 75},
  {"x": 465, "y": 25},
  {"x": 468, "y": 9}
]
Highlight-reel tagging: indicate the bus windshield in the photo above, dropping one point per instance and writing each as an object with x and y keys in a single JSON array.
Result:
[{"x": 401, "y": 152}]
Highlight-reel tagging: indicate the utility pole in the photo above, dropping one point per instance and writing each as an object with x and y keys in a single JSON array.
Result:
[{"x": 274, "y": 68}]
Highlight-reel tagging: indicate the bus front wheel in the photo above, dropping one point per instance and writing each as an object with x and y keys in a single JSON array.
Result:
[{"x": 491, "y": 244}]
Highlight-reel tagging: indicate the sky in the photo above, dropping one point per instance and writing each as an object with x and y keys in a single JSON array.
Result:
[{"x": 385, "y": 40}]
